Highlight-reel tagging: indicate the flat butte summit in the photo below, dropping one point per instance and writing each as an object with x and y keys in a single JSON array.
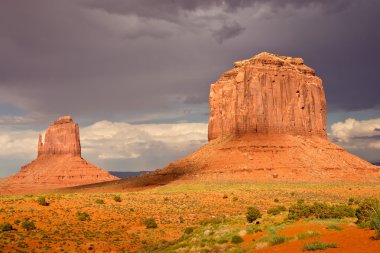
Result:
[
  {"x": 58, "y": 163},
  {"x": 267, "y": 123}
]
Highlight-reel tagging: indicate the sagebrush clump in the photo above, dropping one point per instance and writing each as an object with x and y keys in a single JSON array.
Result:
[
  {"x": 117, "y": 198},
  {"x": 276, "y": 210},
  {"x": 150, "y": 223},
  {"x": 42, "y": 201},
  {"x": 83, "y": 216},
  {"x": 317, "y": 245},
  {"x": 366, "y": 210},
  {"x": 28, "y": 225},
  {"x": 252, "y": 214},
  {"x": 319, "y": 210},
  {"x": 237, "y": 239},
  {"x": 99, "y": 201},
  {"x": 6, "y": 226}
]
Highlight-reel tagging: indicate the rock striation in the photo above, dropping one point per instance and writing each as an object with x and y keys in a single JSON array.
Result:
[
  {"x": 268, "y": 94},
  {"x": 58, "y": 164}
]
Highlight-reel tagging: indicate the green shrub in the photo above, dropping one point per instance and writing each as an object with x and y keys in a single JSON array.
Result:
[
  {"x": 351, "y": 201},
  {"x": 299, "y": 211},
  {"x": 28, "y": 225},
  {"x": 6, "y": 226},
  {"x": 335, "y": 227},
  {"x": 307, "y": 234},
  {"x": 276, "y": 200},
  {"x": 234, "y": 198},
  {"x": 279, "y": 239},
  {"x": 42, "y": 201},
  {"x": 300, "y": 201},
  {"x": 212, "y": 221},
  {"x": 317, "y": 245},
  {"x": 117, "y": 198},
  {"x": 252, "y": 214},
  {"x": 253, "y": 229},
  {"x": 17, "y": 222},
  {"x": 375, "y": 222},
  {"x": 150, "y": 223},
  {"x": 189, "y": 230},
  {"x": 83, "y": 216},
  {"x": 225, "y": 196},
  {"x": 222, "y": 241},
  {"x": 320, "y": 210},
  {"x": 341, "y": 211},
  {"x": 366, "y": 210},
  {"x": 276, "y": 210},
  {"x": 99, "y": 201},
  {"x": 236, "y": 239}
]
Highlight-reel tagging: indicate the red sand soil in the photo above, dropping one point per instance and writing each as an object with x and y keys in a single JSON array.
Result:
[{"x": 350, "y": 240}]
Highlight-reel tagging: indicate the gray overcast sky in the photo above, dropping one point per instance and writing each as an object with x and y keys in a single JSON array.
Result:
[{"x": 152, "y": 61}]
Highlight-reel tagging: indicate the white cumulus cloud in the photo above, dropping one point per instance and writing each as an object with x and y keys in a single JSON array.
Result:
[
  {"x": 112, "y": 145},
  {"x": 361, "y": 137}
]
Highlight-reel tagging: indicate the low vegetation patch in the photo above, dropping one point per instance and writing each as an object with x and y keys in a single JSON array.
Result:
[
  {"x": 307, "y": 234},
  {"x": 375, "y": 223},
  {"x": 117, "y": 198},
  {"x": 335, "y": 227},
  {"x": 189, "y": 230},
  {"x": 28, "y": 225},
  {"x": 237, "y": 239},
  {"x": 6, "y": 226},
  {"x": 150, "y": 223},
  {"x": 279, "y": 239},
  {"x": 276, "y": 210},
  {"x": 252, "y": 214},
  {"x": 319, "y": 210},
  {"x": 42, "y": 201},
  {"x": 366, "y": 210},
  {"x": 317, "y": 245},
  {"x": 83, "y": 216},
  {"x": 99, "y": 201}
]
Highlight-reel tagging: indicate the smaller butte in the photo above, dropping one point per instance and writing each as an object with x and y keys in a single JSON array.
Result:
[{"x": 58, "y": 164}]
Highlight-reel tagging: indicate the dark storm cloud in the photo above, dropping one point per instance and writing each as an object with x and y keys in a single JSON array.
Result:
[
  {"x": 228, "y": 31},
  {"x": 169, "y": 9},
  {"x": 139, "y": 57},
  {"x": 371, "y": 137}
]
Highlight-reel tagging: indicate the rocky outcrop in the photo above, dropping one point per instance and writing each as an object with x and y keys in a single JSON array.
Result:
[
  {"x": 268, "y": 94},
  {"x": 58, "y": 164},
  {"x": 61, "y": 138}
]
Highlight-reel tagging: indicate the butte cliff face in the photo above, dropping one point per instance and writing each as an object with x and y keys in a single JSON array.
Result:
[
  {"x": 268, "y": 94},
  {"x": 58, "y": 164},
  {"x": 268, "y": 122},
  {"x": 61, "y": 138}
]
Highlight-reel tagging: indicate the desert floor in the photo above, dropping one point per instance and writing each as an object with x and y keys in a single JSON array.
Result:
[{"x": 191, "y": 217}]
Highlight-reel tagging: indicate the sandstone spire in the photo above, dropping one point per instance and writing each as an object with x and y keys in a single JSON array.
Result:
[{"x": 268, "y": 94}]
